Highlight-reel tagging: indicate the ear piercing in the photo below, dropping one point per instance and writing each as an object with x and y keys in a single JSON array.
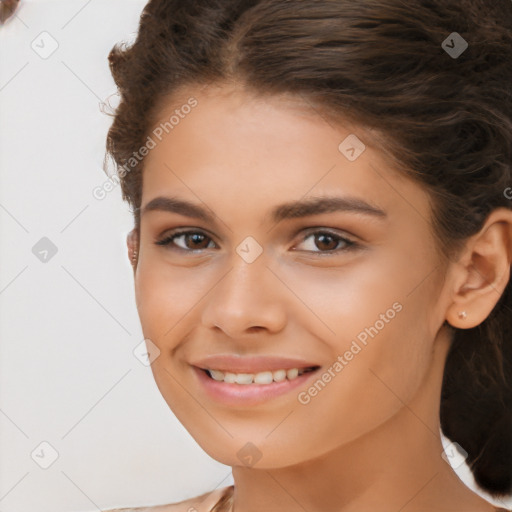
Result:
[
  {"x": 462, "y": 315},
  {"x": 134, "y": 257}
]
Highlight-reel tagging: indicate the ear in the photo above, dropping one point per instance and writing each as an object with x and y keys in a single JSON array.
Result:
[
  {"x": 132, "y": 242},
  {"x": 482, "y": 272}
]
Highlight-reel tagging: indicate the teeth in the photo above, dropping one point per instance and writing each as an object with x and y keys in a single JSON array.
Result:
[
  {"x": 243, "y": 378},
  {"x": 262, "y": 378},
  {"x": 229, "y": 377},
  {"x": 217, "y": 375},
  {"x": 292, "y": 374},
  {"x": 266, "y": 377},
  {"x": 279, "y": 375}
]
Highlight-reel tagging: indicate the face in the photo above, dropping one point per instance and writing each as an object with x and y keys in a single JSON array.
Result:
[{"x": 352, "y": 288}]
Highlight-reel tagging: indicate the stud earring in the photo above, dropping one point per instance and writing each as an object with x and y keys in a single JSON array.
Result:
[
  {"x": 462, "y": 315},
  {"x": 134, "y": 257}
]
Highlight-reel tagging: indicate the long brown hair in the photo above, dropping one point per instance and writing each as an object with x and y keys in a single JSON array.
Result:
[{"x": 433, "y": 81}]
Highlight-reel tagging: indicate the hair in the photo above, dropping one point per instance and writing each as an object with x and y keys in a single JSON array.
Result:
[
  {"x": 7, "y": 9},
  {"x": 445, "y": 121}
]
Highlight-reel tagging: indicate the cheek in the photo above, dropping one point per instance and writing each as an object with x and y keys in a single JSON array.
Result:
[
  {"x": 163, "y": 301},
  {"x": 342, "y": 303},
  {"x": 164, "y": 296},
  {"x": 376, "y": 316}
]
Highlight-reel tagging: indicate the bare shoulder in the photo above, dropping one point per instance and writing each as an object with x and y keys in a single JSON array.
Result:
[{"x": 202, "y": 503}]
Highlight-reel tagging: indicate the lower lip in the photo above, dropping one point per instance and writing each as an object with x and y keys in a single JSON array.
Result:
[{"x": 248, "y": 394}]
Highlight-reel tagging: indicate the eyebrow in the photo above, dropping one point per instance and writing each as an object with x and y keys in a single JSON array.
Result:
[{"x": 291, "y": 210}]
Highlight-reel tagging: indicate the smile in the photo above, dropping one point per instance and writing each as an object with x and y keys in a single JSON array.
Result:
[
  {"x": 245, "y": 390},
  {"x": 265, "y": 377}
]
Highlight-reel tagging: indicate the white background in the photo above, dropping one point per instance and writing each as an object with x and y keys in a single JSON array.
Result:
[{"x": 68, "y": 325}]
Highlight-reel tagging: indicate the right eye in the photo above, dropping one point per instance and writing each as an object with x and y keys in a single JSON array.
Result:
[{"x": 197, "y": 239}]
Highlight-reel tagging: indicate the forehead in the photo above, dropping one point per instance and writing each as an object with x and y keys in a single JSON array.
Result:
[{"x": 252, "y": 149}]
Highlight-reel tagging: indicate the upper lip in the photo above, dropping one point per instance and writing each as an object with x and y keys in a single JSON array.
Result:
[{"x": 250, "y": 364}]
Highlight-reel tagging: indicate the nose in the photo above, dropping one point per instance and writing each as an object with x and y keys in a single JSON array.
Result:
[{"x": 247, "y": 299}]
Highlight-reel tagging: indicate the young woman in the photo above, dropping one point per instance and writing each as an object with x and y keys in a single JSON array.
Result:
[{"x": 322, "y": 244}]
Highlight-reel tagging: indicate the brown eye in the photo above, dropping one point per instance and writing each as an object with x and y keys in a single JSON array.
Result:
[
  {"x": 327, "y": 242},
  {"x": 323, "y": 242},
  {"x": 197, "y": 240}
]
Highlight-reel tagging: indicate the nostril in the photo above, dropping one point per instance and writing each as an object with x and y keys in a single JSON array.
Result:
[{"x": 256, "y": 328}]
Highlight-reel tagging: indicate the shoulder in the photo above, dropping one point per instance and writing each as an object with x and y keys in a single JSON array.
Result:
[{"x": 202, "y": 503}]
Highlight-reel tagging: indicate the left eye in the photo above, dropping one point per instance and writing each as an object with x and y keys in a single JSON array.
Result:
[
  {"x": 199, "y": 240},
  {"x": 326, "y": 238}
]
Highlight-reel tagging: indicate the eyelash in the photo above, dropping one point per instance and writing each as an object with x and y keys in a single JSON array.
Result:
[{"x": 349, "y": 244}]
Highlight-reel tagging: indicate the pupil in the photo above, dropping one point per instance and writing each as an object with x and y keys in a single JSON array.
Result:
[
  {"x": 323, "y": 237},
  {"x": 196, "y": 237}
]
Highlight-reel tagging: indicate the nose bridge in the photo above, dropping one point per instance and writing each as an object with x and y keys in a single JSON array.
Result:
[
  {"x": 244, "y": 297},
  {"x": 245, "y": 281},
  {"x": 248, "y": 262}
]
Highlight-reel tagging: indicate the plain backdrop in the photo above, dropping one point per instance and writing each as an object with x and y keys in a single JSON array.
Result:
[
  {"x": 83, "y": 426},
  {"x": 68, "y": 322}
]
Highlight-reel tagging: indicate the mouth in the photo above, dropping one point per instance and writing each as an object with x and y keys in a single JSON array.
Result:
[
  {"x": 246, "y": 390},
  {"x": 263, "y": 378}
]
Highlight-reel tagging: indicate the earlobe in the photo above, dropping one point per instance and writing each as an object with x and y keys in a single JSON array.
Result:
[{"x": 484, "y": 272}]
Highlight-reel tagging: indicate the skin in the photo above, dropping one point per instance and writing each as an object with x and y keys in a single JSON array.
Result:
[{"x": 370, "y": 439}]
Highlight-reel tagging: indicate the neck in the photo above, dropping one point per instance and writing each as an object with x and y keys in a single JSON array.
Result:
[{"x": 397, "y": 466}]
